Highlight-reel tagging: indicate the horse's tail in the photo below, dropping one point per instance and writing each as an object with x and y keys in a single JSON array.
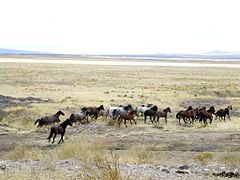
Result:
[
  {"x": 50, "y": 135},
  {"x": 36, "y": 121},
  {"x": 178, "y": 114}
]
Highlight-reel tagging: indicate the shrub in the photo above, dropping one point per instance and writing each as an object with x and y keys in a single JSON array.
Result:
[{"x": 204, "y": 158}]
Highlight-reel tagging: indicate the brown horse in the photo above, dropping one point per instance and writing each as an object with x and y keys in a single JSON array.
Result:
[
  {"x": 127, "y": 116},
  {"x": 94, "y": 111},
  {"x": 162, "y": 113},
  {"x": 49, "y": 119},
  {"x": 183, "y": 114},
  {"x": 221, "y": 113},
  {"x": 205, "y": 115}
]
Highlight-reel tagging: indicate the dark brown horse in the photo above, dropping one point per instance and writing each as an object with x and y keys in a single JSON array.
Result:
[
  {"x": 60, "y": 129},
  {"x": 49, "y": 119},
  {"x": 94, "y": 111},
  {"x": 127, "y": 116},
  {"x": 222, "y": 113},
  {"x": 205, "y": 115},
  {"x": 162, "y": 113},
  {"x": 183, "y": 114}
]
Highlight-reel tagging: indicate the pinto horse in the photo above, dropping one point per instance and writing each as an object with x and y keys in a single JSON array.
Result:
[
  {"x": 60, "y": 129},
  {"x": 162, "y": 113},
  {"x": 49, "y": 119},
  {"x": 221, "y": 113},
  {"x": 141, "y": 109},
  {"x": 127, "y": 116},
  {"x": 81, "y": 117}
]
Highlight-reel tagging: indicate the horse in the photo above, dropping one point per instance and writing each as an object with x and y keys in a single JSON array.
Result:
[
  {"x": 127, "y": 116},
  {"x": 221, "y": 113},
  {"x": 94, "y": 111},
  {"x": 103, "y": 113},
  {"x": 49, "y": 119},
  {"x": 151, "y": 113},
  {"x": 162, "y": 113},
  {"x": 113, "y": 112},
  {"x": 60, "y": 129},
  {"x": 182, "y": 114},
  {"x": 81, "y": 117},
  {"x": 141, "y": 109},
  {"x": 205, "y": 115}
]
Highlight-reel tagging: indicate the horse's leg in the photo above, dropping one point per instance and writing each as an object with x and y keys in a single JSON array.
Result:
[
  {"x": 50, "y": 136},
  {"x": 125, "y": 122},
  {"x": 179, "y": 121},
  {"x": 158, "y": 120},
  {"x": 119, "y": 121},
  {"x": 145, "y": 119},
  {"x": 61, "y": 139},
  {"x": 184, "y": 120},
  {"x": 130, "y": 121},
  {"x": 134, "y": 121},
  {"x": 151, "y": 119},
  {"x": 54, "y": 138},
  {"x": 165, "y": 119},
  {"x": 211, "y": 119}
]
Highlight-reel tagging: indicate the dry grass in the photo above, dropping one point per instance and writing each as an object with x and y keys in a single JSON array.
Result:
[
  {"x": 204, "y": 158},
  {"x": 44, "y": 174},
  {"x": 231, "y": 158},
  {"x": 85, "y": 149}
]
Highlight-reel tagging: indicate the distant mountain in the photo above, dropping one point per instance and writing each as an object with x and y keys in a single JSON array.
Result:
[
  {"x": 15, "y": 51},
  {"x": 217, "y": 52}
]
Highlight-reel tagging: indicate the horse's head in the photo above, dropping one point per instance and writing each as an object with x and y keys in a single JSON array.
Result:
[
  {"x": 189, "y": 108},
  {"x": 230, "y": 107},
  {"x": 212, "y": 109},
  {"x": 101, "y": 108},
  {"x": 128, "y": 107},
  {"x": 60, "y": 113},
  {"x": 168, "y": 109},
  {"x": 154, "y": 108},
  {"x": 202, "y": 109},
  {"x": 69, "y": 122}
]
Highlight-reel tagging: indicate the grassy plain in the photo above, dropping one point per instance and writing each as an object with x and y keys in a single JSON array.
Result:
[{"x": 70, "y": 87}]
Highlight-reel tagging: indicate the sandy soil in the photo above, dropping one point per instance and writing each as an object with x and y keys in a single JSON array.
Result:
[{"x": 124, "y": 63}]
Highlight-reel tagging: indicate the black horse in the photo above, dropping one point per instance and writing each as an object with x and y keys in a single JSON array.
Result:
[
  {"x": 49, "y": 119},
  {"x": 60, "y": 129},
  {"x": 151, "y": 113}
]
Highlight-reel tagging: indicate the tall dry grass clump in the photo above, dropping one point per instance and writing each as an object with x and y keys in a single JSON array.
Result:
[{"x": 231, "y": 158}]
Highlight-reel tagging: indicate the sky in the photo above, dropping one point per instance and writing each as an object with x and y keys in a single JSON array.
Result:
[{"x": 120, "y": 26}]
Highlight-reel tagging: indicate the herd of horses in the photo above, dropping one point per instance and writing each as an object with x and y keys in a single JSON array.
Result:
[{"x": 128, "y": 113}]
